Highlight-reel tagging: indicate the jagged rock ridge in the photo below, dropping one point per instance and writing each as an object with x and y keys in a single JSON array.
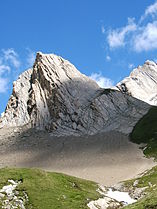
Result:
[
  {"x": 142, "y": 83},
  {"x": 55, "y": 96}
]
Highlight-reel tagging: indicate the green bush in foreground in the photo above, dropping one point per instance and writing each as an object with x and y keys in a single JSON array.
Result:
[{"x": 47, "y": 190}]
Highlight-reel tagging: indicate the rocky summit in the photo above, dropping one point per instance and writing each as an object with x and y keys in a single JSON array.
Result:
[
  {"x": 142, "y": 83},
  {"x": 54, "y": 96}
]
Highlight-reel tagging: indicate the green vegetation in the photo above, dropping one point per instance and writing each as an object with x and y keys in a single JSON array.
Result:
[
  {"x": 108, "y": 91},
  {"x": 47, "y": 190},
  {"x": 145, "y": 131},
  {"x": 150, "y": 200}
]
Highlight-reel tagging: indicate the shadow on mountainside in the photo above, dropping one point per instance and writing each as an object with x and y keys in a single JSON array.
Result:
[{"x": 103, "y": 157}]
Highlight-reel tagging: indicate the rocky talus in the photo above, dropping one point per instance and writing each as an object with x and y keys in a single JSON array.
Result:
[{"x": 53, "y": 95}]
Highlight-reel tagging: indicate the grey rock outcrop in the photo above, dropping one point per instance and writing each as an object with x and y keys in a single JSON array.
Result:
[
  {"x": 15, "y": 113},
  {"x": 142, "y": 83},
  {"x": 55, "y": 96}
]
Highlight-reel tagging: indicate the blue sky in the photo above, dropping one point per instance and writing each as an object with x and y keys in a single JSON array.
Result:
[{"x": 104, "y": 39}]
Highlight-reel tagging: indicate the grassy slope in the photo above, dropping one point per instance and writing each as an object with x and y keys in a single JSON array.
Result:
[
  {"x": 48, "y": 190},
  {"x": 51, "y": 190},
  {"x": 145, "y": 131},
  {"x": 150, "y": 200}
]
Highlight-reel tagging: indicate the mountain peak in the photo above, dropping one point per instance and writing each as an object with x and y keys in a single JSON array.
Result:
[
  {"x": 142, "y": 83},
  {"x": 55, "y": 96}
]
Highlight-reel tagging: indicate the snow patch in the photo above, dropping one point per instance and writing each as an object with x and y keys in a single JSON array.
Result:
[
  {"x": 120, "y": 196},
  {"x": 111, "y": 199}
]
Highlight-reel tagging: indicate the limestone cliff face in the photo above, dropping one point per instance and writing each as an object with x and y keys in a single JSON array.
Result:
[
  {"x": 15, "y": 113},
  {"x": 55, "y": 96},
  {"x": 142, "y": 83}
]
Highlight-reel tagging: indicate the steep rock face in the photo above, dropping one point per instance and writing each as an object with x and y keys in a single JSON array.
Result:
[
  {"x": 142, "y": 83},
  {"x": 55, "y": 96},
  {"x": 15, "y": 113}
]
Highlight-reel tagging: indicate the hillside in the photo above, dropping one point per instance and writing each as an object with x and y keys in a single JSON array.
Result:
[
  {"x": 145, "y": 131},
  {"x": 59, "y": 120},
  {"x": 49, "y": 190}
]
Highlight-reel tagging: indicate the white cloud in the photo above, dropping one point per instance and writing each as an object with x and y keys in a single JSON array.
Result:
[
  {"x": 131, "y": 66},
  {"x": 102, "y": 81},
  {"x": 102, "y": 29},
  {"x": 150, "y": 10},
  {"x": 11, "y": 56},
  {"x": 8, "y": 60},
  {"x": 3, "y": 69},
  {"x": 30, "y": 58},
  {"x": 140, "y": 36},
  {"x": 3, "y": 85},
  {"x": 108, "y": 58},
  {"x": 146, "y": 39},
  {"x": 10, "y": 64},
  {"x": 116, "y": 38}
]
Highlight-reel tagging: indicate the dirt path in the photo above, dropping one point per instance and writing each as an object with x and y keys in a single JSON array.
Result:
[{"x": 105, "y": 158}]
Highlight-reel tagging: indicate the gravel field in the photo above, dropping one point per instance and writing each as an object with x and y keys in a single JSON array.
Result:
[{"x": 104, "y": 158}]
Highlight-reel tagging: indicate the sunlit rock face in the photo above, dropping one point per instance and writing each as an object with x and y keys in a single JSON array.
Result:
[
  {"x": 15, "y": 113},
  {"x": 56, "y": 97},
  {"x": 142, "y": 83}
]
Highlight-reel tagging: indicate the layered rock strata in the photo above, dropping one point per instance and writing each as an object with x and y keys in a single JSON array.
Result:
[
  {"x": 53, "y": 95},
  {"x": 142, "y": 83}
]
